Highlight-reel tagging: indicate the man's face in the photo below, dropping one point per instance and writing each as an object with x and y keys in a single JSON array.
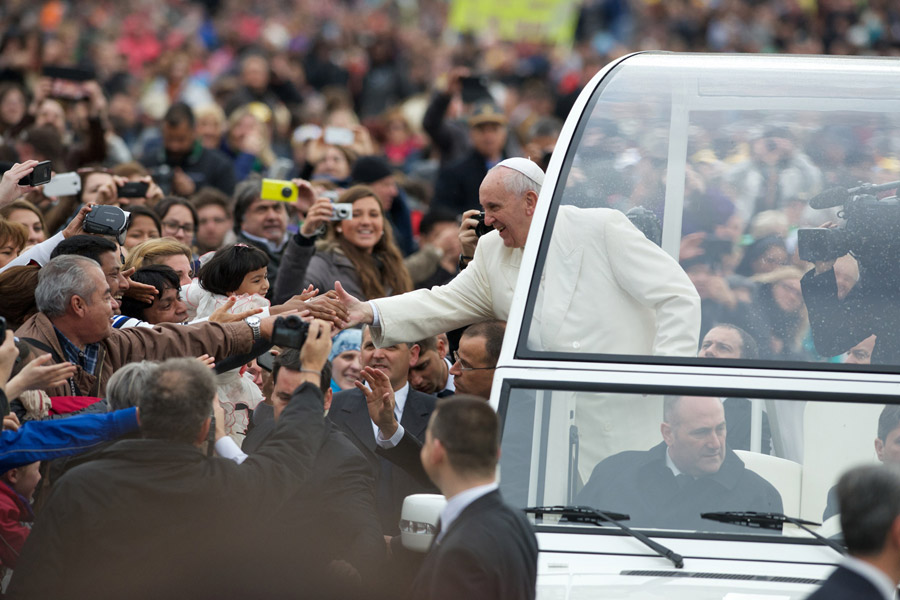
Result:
[
  {"x": 861, "y": 354},
  {"x": 888, "y": 450},
  {"x": 266, "y": 219},
  {"x": 505, "y": 212},
  {"x": 168, "y": 308},
  {"x": 99, "y": 188},
  {"x": 394, "y": 361},
  {"x": 488, "y": 139},
  {"x": 178, "y": 141},
  {"x": 721, "y": 342},
  {"x": 429, "y": 375},
  {"x": 386, "y": 190},
  {"x": 472, "y": 352},
  {"x": 212, "y": 227},
  {"x": 287, "y": 382},
  {"x": 112, "y": 270},
  {"x": 696, "y": 435},
  {"x": 255, "y": 73},
  {"x": 98, "y": 309}
]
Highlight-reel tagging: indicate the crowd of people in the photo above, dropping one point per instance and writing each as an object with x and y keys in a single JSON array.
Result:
[{"x": 340, "y": 163}]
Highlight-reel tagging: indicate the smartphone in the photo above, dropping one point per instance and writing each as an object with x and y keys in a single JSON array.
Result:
[
  {"x": 341, "y": 212},
  {"x": 339, "y": 136},
  {"x": 78, "y": 74},
  {"x": 2, "y": 330},
  {"x": 266, "y": 361},
  {"x": 134, "y": 189},
  {"x": 39, "y": 176},
  {"x": 278, "y": 189},
  {"x": 475, "y": 89},
  {"x": 63, "y": 184}
]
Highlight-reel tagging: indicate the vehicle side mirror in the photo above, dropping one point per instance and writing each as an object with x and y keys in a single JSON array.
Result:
[{"x": 418, "y": 520}]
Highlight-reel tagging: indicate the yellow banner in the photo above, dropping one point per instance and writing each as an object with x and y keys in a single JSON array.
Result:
[{"x": 549, "y": 21}]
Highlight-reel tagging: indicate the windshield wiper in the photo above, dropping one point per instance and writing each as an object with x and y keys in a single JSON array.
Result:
[
  {"x": 586, "y": 514},
  {"x": 770, "y": 520}
]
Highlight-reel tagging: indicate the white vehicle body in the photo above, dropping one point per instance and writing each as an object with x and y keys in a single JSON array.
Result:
[{"x": 590, "y": 561}]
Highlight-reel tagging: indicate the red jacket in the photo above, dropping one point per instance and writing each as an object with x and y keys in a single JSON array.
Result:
[{"x": 14, "y": 511}]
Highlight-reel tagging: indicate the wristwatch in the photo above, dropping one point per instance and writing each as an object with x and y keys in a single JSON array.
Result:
[{"x": 253, "y": 322}]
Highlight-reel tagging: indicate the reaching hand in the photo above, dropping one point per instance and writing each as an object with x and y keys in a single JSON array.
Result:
[
  {"x": 318, "y": 214},
  {"x": 76, "y": 225},
  {"x": 314, "y": 353},
  {"x": 222, "y": 314},
  {"x": 39, "y": 375},
  {"x": 209, "y": 361},
  {"x": 142, "y": 292},
  {"x": 379, "y": 399},
  {"x": 357, "y": 311},
  {"x": 11, "y": 422}
]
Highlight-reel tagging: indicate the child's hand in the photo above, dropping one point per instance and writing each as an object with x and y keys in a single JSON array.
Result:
[{"x": 222, "y": 314}]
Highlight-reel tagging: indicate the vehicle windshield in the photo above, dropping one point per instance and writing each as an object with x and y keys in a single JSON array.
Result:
[
  {"x": 664, "y": 460},
  {"x": 732, "y": 165}
]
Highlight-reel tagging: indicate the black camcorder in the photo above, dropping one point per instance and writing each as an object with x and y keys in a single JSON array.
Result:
[
  {"x": 107, "y": 220},
  {"x": 871, "y": 232},
  {"x": 290, "y": 332}
]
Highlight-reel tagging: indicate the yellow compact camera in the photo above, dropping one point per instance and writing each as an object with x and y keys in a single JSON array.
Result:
[{"x": 277, "y": 189}]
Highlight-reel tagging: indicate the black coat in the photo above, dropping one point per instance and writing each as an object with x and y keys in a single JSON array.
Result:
[
  {"x": 843, "y": 584},
  {"x": 869, "y": 308},
  {"x": 457, "y": 184},
  {"x": 158, "y": 519},
  {"x": 488, "y": 553},
  {"x": 640, "y": 484},
  {"x": 392, "y": 484},
  {"x": 205, "y": 167},
  {"x": 332, "y": 518}
]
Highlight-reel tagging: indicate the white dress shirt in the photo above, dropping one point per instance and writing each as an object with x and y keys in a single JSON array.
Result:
[
  {"x": 459, "y": 502},
  {"x": 399, "y": 402}
]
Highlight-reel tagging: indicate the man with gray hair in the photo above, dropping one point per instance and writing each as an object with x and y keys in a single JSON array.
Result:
[
  {"x": 869, "y": 499},
  {"x": 73, "y": 324},
  {"x": 155, "y": 517},
  {"x": 605, "y": 288}
]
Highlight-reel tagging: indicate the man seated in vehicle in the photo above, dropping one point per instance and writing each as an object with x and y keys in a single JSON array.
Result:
[
  {"x": 887, "y": 449},
  {"x": 690, "y": 472}
]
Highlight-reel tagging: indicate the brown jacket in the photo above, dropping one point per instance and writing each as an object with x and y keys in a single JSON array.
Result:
[{"x": 132, "y": 344}]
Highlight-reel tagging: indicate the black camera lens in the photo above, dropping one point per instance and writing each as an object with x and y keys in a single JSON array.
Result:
[{"x": 285, "y": 192}]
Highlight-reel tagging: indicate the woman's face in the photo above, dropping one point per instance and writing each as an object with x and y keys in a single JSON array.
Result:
[
  {"x": 345, "y": 369},
  {"x": 12, "y": 107},
  {"x": 36, "y": 233},
  {"x": 8, "y": 251},
  {"x": 140, "y": 230},
  {"x": 334, "y": 164},
  {"x": 366, "y": 227},
  {"x": 178, "y": 223},
  {"x": 209, "y": 130}
]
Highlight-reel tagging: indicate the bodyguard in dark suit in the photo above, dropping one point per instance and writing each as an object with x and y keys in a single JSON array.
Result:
[
  {"x": 350, "y": 411},
  {"x": 869, "y": 499},
  {"x": 690, "y": 472},
  {"x": 484, "y": 549},
  {"x": 330, "y": 528}
]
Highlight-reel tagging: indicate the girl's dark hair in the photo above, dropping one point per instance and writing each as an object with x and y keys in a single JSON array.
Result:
[
  {"x": 142, "y": 211},
  {"x": 383, "y": 270},
  {"x": 225, "y": 271}
]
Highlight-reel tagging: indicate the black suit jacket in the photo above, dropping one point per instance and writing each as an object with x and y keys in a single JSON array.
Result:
[
  {"x": 641, "y": 485},
  {"x": 457, "y": 183},
  {"x": 488, "y": 553},
  {"x": 332, "y": 518},
  {"x": 392, "y": 484},
  {"x": 843, "y": 584}
]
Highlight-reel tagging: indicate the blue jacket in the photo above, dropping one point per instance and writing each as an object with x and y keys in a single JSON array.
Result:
[{"x": 46, "y": 440}]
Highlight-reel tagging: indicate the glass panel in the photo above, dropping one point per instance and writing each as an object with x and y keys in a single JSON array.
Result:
[
  {"x": 666, "y": 460},
  {"x": 759, "y": 182}
]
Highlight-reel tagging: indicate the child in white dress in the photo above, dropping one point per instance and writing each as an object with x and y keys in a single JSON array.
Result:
[{"x": 236, "y": 271}]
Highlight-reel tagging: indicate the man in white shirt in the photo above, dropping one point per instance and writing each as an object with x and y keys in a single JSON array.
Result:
[{"x": 869, "y": 500}]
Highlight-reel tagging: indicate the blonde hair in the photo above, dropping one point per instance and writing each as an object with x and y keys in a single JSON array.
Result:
[
  {"x": 151, "y": 251},
  {"x": 266, "y": 155},
  {"x": 13, "y": 232}
]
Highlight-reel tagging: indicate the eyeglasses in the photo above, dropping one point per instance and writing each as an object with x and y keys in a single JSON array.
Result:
[
  {"x": 464, "y": 366},
  {"x": 173, "y": 226}
]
